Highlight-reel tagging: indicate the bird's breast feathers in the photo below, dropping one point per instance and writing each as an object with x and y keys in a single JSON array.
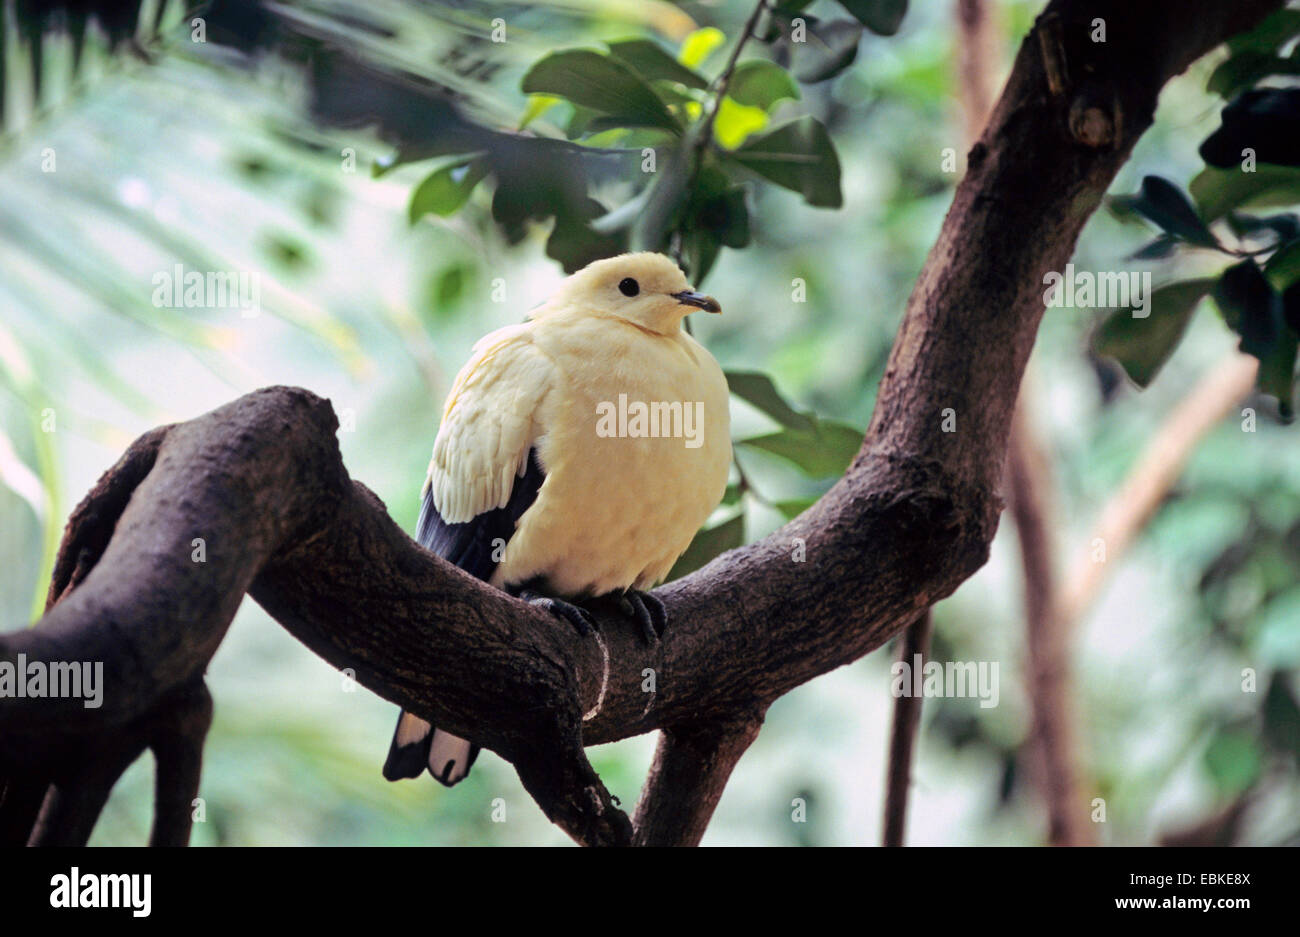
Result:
[{"x": 631, "y": 428}]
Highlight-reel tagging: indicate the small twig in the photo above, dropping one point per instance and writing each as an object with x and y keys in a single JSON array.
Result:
[
  {"x": 722, "y": 82},
  {"x": 704, "y": 131},
  {"x": 747, "y": 485}
]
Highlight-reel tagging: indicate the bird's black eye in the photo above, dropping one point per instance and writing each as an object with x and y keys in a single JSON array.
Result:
[{"x": 629, "y": 287}]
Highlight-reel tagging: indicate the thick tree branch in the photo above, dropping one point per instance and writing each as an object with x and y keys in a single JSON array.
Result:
[{"x": 260, "y": 485}]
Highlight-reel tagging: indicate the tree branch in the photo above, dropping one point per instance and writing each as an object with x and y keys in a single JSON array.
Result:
[
  {"x": 1157, "y": 469},
  {"x": 686, "y": 780},
  {"x": 260, "y": 484},
  {"x": 902, "y": 737},
  {"x": 1054, "y": 737}
]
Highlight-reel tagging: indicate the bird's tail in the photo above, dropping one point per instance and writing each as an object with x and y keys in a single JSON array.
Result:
[{"x": 418, "y": 745}]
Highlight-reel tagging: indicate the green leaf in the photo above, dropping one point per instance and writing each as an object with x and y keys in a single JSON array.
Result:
[
  {"x": 882, "y": 17},
  {"x": 1243, "y": 70},
  {"x": 1245, "y": 299},
  {"x": 1272, "y": 32},
  {"x": 757, "y": 390},
  {"x": 1159, "y": 249},
  {"x": 827, "y": 49},
  {"x": 1164, "y": 204},
  {"x": 1233, "y": 761},
  {"x": 1143, "y": 345},
  {"x": 652, "y": 63},
  {"x": 664, "y": 201},
  {"x": 574, "y": 243},
  {"x": 823, "y": 453},
  {"x": 736, "y": 123},
  {"x": 1282, "y": 717},
  {"x": 445, "y": 190},
  {"x": 1255, "y": 311},
  {"x": 1284, "y": 227},
  {"x": 700, "y": 248},
  {"x": 715, "y": 214},
  {"x": 538, "y": 104},
  {"x": 602, "y": 84},
  {"x": 1283, "y": 268},
  {"x": 1264, "y": 122},
  {"x": 1277, "y": 370},
  {"x": 446, "y": 290},
  {"x": 1219, "y": 191},
  {"x": 710, "y": 542},
  {"x": 728, "y": 216},
  {"x": 798, "y": 156},
  {"x": 699, "y": 45},
  {"x": 759, "y": 83}
]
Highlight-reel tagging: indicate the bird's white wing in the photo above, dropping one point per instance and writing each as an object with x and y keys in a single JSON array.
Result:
[{"x": 489, "y": 424}]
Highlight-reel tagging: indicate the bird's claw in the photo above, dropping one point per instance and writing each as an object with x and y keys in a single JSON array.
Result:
[
  {"x": 575, "y": 615},
  {"x": 647, "y": 611}
]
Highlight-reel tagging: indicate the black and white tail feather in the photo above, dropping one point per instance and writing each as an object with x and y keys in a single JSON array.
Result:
[{"x": 472, "y": 546}]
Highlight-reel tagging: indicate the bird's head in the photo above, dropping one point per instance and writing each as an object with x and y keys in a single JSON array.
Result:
[{"x": 646, "y": 289}]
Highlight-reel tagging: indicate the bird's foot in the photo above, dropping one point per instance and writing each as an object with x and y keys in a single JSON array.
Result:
[
  {"x": 647, "y": 611},
  {"x": 575, "y": 615}
]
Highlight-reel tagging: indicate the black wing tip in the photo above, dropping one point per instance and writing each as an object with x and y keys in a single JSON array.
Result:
[
  {"x": 472, "y": 545},
  {"x": 450, "y": 766},
  {"x": 407, "y": 761}
]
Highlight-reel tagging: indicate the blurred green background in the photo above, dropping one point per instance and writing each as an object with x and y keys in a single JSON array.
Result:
[{"x": 205, "y": 155}]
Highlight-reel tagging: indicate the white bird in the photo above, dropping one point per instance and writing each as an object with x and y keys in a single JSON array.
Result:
[{"x": 578, "y": 454}]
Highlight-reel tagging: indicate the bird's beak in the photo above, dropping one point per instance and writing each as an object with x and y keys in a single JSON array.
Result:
[{"x": 699, "y": 300}]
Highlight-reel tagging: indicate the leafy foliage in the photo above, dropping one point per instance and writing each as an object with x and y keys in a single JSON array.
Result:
[
  {"x": 699, "y": 141},
  {"x": 1143, "y": 345},
  {"x": 1253, "y": 160}
]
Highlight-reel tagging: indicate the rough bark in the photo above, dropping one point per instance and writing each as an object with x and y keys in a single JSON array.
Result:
[
  {"x": 261, "y": 482},
  {"x": 698, "y": 759}
]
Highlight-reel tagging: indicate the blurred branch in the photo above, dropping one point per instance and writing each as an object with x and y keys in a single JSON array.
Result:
[
  {"x": 260, "y": 484},
  {"x": 979, "y": 50},
  {"x": 902, "y": 738},
  {"x": 1054, "y": 736},
  {"x": 1053, "y": 611},
  {"x": 1155, "y": 473}
]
